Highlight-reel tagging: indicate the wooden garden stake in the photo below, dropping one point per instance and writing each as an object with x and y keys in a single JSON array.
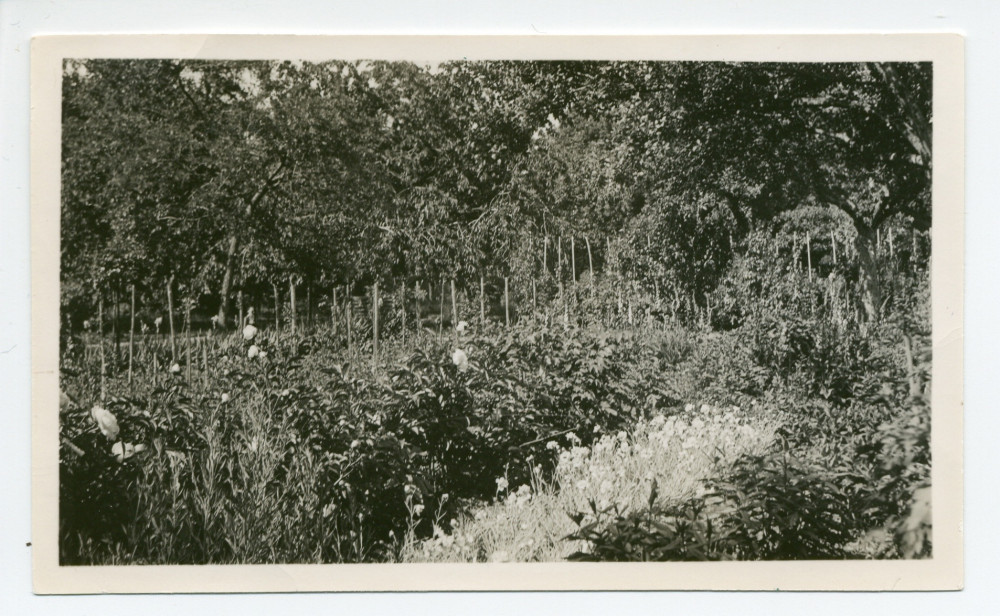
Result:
[
  {"x": 441, "y": 313},
  {"x": 291, "y": 299},
  {"x": 454, "y": 310},
  {"x": 204, "y": 364},
  {"x": 116, "y": 300},
  {"x": 892, "y": 251},
  {"x": 170, "y": 317},
  {"x": 545, "y": 255},
  {"x": 572, "y": 252},
  {"x": 131, "y": 335},
  {"x": 506, "y": 300},
  {"x": 402, "y": 316},
  {"x": 559, "y": 258},
  {"x": 100, "y": 342},
  {"x": 375, "y": 325},
  {"x": 482, "y": 299},
  {"x": 590, "y": 259},
  {"x": 349, "y": 316},
  {"x": 187, "y": 341},
  {"x": 333, "y": 310},
  {"x": 309, "y": 305},
  {"x": 277, "y": 306},
  {"x": 833, "y": 242},
  {"x": 809, "y": 260}
]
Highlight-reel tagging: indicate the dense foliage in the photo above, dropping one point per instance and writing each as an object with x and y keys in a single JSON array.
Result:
[{"x": 634, "y": 243}]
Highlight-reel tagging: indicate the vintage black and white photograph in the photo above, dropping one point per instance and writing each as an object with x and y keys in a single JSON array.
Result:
[{"x": 373, "y": 310}]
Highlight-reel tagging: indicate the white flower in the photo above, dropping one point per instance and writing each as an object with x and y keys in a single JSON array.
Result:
[
  {"x": 552, "y": 445},
  {"x": 215, "y": 319},
  {"x": 105, "y": 421},
  {"x": 249, "y": 332},
  {"x": 225, "y": 397},
  {"x": 460, "y": 359},
  {"x": 263, "y": 354},
  {"x": 253, "y": 351},
  {"x": 355, "y": 444},
  {"x": 418, "y": 509},
  {"x": 158, "y": 321},
  {"x": 175, "y": 368},
  {"x": 86, "y": 324},
  {"x": 461, "y": 327},
  {"x": 688, "y": 408},
  {"x": 501, "y": 484},
  {"x": 129, "y": 450}
]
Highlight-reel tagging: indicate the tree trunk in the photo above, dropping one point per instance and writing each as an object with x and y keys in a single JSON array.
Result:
[
  {"x": 868, "y": 276},
  {"x": 227, "y": 282}
]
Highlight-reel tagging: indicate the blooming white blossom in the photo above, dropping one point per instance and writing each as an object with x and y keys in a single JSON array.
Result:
[
  {"x": 461, "y": 327},
  {"x": 125, "y": 452},
  {"x": 249, "y": 332},
  {"x": 106, "y": 422},
  {"x": 263, "y": 354},
  {"x": 552, "y": 445},
  {"x": 225, "y": 397},
  {"x": 460, "y": 359},
  {"x": 418, "y": 509},
  {"x": 175, "y": 368},
  {"x": 253, "y": 351},
  {"x": 501, "y": 484}
]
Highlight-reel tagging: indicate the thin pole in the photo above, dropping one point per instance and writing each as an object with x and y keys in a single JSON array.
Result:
[
  {"x": 187, "y": 341},
  {"x": 239, "y": 304},
  {"x": 559, "y": 258},
  {"x": 375, "y": 325},
  {"x": 482, "y": 299},
  {"x": 402, "y": 314},
  {"x": 545, "y": 255},
  {"x": 454, "y": 310},
  {"x": 833, "y": 242},
  {"x": 590, "y": 259},
  {"x": 334, "y": 311},
  {"x": 170, "y": 317},
  {"x": 572, "y": 252},
  {"x": 204, "y": 363},
  {"x": 809, "y": 260},
  {"x": 131, "y": 335},
  {"x": 291, "y": 299},
  {"x": 349, "y": 315},
  {"x": 277, "y": 306},
  {"x": 441, "y": 313},
  {"x": 506, "y": 300},
  {"x": 100, "y": 341}
]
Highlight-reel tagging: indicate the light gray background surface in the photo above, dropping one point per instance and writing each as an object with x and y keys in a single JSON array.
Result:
[{"x": 978, "y": 20}]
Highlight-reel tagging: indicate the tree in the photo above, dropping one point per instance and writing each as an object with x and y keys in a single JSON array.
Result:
[{"x": 765, "y": 138}]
